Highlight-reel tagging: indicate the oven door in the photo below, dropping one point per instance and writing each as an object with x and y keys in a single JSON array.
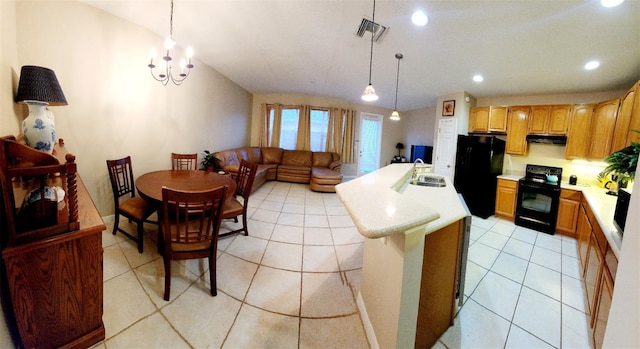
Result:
[{"x": 537, "y": 207}]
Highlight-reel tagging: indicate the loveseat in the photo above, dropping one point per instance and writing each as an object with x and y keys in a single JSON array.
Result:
[{"x": 321, "y": 170}]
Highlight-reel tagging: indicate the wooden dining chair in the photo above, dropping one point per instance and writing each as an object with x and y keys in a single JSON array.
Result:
[
  {"x": 184, "y": 161},
  {"x": 233, "y": 207},
  {"x": 190, "y": 227},
  {"x": 126, "y": 203}
]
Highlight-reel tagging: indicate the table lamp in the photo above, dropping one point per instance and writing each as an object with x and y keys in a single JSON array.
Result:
[{"x": 38, "y": 88}]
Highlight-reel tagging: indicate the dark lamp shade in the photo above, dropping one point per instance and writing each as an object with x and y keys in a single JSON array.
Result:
[
  {"x": 399, "y": 146},
  {"x": 39, "y": 84}
]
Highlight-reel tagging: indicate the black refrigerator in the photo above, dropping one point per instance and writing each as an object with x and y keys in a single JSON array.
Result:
[{"x": 478, "y": 164}]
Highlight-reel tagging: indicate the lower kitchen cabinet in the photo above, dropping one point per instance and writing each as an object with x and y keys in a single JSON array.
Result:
[
  {"x": 506, "y": 194},
  {"x": 599, "y": 267},
  {"x": 602, "y": 310},
  {"x": 568, "y": 209}
]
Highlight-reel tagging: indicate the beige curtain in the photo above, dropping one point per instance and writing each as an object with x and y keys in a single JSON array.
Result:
[
  {"x": 346, "y": 151},
  {"x": 334, "y": 130},
  {"x": 304, "y": 128},
  {"x": 272, "y": 140}
]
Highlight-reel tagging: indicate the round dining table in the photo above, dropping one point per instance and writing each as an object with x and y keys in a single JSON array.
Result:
[{"x": 150, "y": 184}]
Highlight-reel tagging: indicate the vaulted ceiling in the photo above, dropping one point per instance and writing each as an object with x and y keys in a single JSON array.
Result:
[{"x": 311, "y": 47}]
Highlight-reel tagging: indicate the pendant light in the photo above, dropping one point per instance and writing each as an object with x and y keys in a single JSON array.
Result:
[
  {"x": 395, "y": 116},
  {"x": 369, "y": 94}
]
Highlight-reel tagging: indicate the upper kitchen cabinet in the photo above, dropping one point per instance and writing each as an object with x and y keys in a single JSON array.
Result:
[
  {"x": 479, "y": 119},
  {"x": 549, "y": 119},
  {"x": 579, "y": 132},
  {"x": 634, "y": 124},
  {"x": 518, "y": 117},
  {"x": 629, "y": 110},
  {"x": 602, "y": 126},
  {"x": 498, "y": 119},
  {"x": 488, "y": 120}
]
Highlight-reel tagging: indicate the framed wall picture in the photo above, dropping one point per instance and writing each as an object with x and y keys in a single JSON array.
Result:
[{"x": 448, "y": 108}]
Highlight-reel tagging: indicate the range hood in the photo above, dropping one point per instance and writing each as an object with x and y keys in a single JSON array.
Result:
[{"x": 547, "y": 139}]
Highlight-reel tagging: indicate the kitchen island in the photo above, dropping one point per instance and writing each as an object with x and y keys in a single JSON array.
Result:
[{"x": 411, "y": 255}]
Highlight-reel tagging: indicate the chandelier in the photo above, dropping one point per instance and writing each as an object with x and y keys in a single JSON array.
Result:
[
  {"x": 165, "y": 74},
  {"x": 369, "y": 94}
]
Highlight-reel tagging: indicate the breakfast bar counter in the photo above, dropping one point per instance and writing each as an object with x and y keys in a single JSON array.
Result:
[{"x": 411, "y": 257}]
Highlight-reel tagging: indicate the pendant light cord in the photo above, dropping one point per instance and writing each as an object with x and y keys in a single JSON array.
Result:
[
  {"x": 373, "y": 29},
  {"x": 399, "y": 57}
]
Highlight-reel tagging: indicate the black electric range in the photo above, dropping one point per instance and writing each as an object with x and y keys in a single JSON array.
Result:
[{"x": 538, "y": 198}]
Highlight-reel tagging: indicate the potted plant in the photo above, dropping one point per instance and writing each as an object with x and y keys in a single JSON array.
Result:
[
  {"x": 210, "y": 161},
  {"x": 623, "y": 163}
]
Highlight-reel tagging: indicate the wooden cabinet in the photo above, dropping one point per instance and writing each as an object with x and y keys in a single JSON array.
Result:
[
  {"x": 518, "y": 117},
  {"x": 602, "y": 309},
  {"x": 549, "y": 119},
  {"x": 583, "y": 232},
  {"x": 602, "y": 126},
  {"x": 568, "y": 209},
  {"x": 599, "y": 267},
  {"x": 579, "y": 132},
  {"x": 506, "y": 195},
  {"x": 623, "y": 121},
  {"x": 488, "y": 119},
  {"x": 53, "y": 273},
  {"x": 479, "y": 119},
  {"x": 439, "y": 284},
  {"x": 498, "y": 119},
  {"x": 634, "y": 123},
  {"x": 592, "y": 272}
]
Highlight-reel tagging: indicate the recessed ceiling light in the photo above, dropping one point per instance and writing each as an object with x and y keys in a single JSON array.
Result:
[
  {"x": 478, "y": 78},
  {"x": 419, "y": 18},
  {"x": 611, "y": 3},
  {"x": 592, "y": 65}
]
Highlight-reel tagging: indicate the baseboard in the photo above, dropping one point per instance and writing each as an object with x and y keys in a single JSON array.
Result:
[{"x": 368, "y": 328}]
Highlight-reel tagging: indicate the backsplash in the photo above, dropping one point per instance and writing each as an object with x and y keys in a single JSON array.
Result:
[{"x": 553, "y": 155}]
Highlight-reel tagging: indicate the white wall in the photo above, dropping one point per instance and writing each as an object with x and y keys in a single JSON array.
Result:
[
  {"x": 115, "y": 107},
  {"x": 419, "y": 128}
]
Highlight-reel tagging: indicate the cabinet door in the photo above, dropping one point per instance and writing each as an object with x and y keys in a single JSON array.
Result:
[
  {"x": 583, "y": 232},
  {"x": 479, "y": 119},
  {"x": 506, "y": 198},
  {"x": 592, "y": 273},
  {"x": 559, "y": 119},
  {"x": 539, "y": 119},
  {"x": 602, "y": 309},
  {"x": 579, "y": 133},
  {"x": 604, "y": 121},
  {"x": 634, "y": 124},
  {"x": 623, "y": 121},
  {"x": 568, "y": 209},
  {"x": 517, "y": 134},
  {"x": 498, "y": 119}
]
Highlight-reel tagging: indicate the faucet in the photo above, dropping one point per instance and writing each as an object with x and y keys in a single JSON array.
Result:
[{"x": 415, "y": 169}]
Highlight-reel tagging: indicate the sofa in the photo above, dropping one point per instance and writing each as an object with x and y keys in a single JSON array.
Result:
[{"x": 321, "y": 170}]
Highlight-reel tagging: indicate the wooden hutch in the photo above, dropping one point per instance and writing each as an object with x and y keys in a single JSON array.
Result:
[{"x": 51, "y": 248}]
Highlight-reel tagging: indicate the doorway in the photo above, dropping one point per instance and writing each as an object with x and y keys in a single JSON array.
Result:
[{"x": 370, "y": 139}]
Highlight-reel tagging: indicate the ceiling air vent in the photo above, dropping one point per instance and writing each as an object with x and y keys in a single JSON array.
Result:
[{"x": 377, "y": 29}]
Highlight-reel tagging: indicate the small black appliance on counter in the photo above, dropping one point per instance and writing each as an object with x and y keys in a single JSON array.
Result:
[{"x": 622, "y": 207}]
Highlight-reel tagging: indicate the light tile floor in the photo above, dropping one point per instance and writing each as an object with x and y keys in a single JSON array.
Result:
[{"x": 293, "y": 283}]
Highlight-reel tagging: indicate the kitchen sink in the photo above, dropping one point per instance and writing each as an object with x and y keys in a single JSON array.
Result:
[{"x": 429, "y": 181}]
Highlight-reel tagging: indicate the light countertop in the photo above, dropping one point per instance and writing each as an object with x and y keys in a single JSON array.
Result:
[
  {"x": 602, "y": 205},
  {"x": 382, "y": 203}
]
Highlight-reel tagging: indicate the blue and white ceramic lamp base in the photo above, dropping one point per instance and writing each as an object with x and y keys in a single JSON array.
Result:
[{"x": 38, "y": 128}]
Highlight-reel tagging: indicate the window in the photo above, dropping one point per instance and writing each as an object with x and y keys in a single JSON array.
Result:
[
  {"x": 319, "y": 124},
  {"x": 289, "y": 128}
]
